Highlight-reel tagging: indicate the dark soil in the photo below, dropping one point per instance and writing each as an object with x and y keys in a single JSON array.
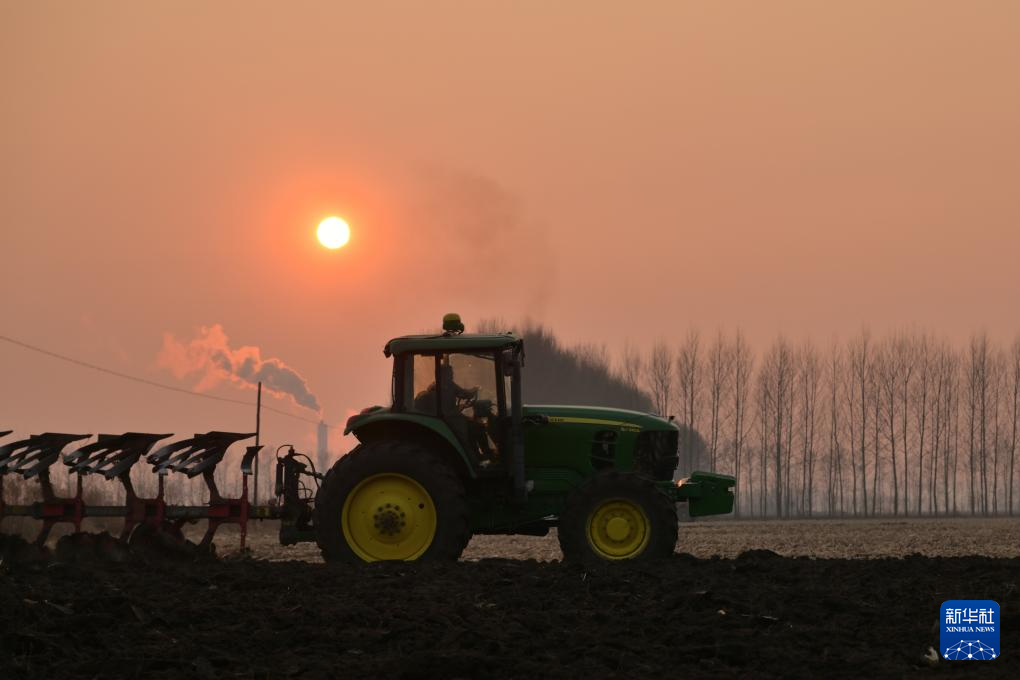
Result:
[{"x": 760, "y": 615}]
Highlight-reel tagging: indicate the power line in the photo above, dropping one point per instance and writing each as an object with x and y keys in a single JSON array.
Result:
[{"x": 144, "y": 381}]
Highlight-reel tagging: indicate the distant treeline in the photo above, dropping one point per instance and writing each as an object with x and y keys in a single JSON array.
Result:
[{"x": 904, "y": 424}]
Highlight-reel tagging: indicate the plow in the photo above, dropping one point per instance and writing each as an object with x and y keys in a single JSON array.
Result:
[
  {"x": 113, "y": 456},
  {"x": 456, "y": 453}
]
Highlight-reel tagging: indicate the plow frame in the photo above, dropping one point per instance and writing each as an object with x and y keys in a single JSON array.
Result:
[{"x": 113, "y": 457}]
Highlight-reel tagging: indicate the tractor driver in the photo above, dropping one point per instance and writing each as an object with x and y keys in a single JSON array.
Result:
[{"x": 425, "y": 401}]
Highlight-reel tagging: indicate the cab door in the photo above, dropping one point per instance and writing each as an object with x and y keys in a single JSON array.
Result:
[{"x": 475, "y": 406}]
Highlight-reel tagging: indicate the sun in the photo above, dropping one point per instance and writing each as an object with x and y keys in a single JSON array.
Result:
[{"x": 333, "y": 233}]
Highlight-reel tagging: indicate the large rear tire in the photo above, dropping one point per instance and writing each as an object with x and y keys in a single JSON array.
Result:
[
  {"x": 617, "y": 516},
  {"x": 391, "y": 500}
]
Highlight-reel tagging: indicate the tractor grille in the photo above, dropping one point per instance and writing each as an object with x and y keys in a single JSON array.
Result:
[{"x": 655, "y": 453}]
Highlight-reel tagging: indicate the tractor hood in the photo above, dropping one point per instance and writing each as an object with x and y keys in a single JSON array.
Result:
[{"x": 596, "y": 415}]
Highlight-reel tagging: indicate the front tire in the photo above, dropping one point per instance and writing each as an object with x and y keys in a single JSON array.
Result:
[
  {"x": 617, "y": 516},
  {"x": 391, "y": 500}
]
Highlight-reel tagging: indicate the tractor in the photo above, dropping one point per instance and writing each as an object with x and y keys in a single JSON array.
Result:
[{"x": 458, "y": 453}]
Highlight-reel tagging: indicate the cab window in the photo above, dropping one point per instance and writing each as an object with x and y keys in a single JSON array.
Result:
[{"x": 419, "y": 392}]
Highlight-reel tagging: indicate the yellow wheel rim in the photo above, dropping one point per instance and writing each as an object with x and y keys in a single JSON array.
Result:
[
  {"x": 618, "y": 529},
  {"x": 388, "y": 517}
]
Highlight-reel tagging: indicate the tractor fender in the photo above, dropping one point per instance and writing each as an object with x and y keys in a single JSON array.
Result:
[{"x": 412, "y": 427}]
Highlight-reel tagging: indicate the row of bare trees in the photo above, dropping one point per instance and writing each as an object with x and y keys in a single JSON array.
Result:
[{"x": 906, "y": 424}]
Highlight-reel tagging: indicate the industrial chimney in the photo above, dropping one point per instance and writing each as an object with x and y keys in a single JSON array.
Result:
[{"x": 322, "y": 452}]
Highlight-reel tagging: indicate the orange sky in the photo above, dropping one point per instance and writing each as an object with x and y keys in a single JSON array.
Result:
[{"x": 616, "y": 170}]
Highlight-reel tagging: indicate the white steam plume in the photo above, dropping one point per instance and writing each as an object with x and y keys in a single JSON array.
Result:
[{"x": 210, "y": 356}]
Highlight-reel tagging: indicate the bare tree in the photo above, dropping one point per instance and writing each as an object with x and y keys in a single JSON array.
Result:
[
  {"x": 631, "y": 365},
  {"x": 631, "y": 368},
  {"x": 835, "y": 476},
  {"x": 776, "y": 385},
  {"x": 876, "y": 468},
  {"x": 763, "y": 407},
  {"x": 978, "y": 385},
  {"x": 997, "y": 375},
  {"x": 887, "y": 376},
  {"x": 809, "y": 381},
  {"x": 944, "y": 425},
  {"x": 920, "y": 407},
  {"x": 859, "y": 395},
  {"x": 1014, "y": 401},
  {"x": 660, "y": 377},
  {"x": 719, "y": 371},
  {"x": 743, "y": 365},
  {"x": 689, "y": 374},
  {"x": 945, "y": 372},
  {"x": 905, "y": 352},
  {"x": 954, "y": 441}
]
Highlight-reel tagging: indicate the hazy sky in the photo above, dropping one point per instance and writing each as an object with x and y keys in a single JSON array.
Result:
[{"x": 617, "y": 170}]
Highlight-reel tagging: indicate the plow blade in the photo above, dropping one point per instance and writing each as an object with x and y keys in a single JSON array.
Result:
[{"x": 112, "y": 457}]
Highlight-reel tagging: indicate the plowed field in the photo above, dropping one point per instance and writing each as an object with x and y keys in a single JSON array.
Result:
[{"x": 724, "y": 607}]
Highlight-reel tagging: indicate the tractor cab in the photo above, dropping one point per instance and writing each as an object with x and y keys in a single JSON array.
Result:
[
  {"x": 466, "y": 382},
  {"x": 459, "y": 393}
]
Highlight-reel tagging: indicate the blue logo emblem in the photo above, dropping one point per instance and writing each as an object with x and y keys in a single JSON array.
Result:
[{"x": 970, "y": 630}]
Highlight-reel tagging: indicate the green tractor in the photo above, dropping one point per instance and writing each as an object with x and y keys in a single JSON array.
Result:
[{"x": 458, "y": 453}]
